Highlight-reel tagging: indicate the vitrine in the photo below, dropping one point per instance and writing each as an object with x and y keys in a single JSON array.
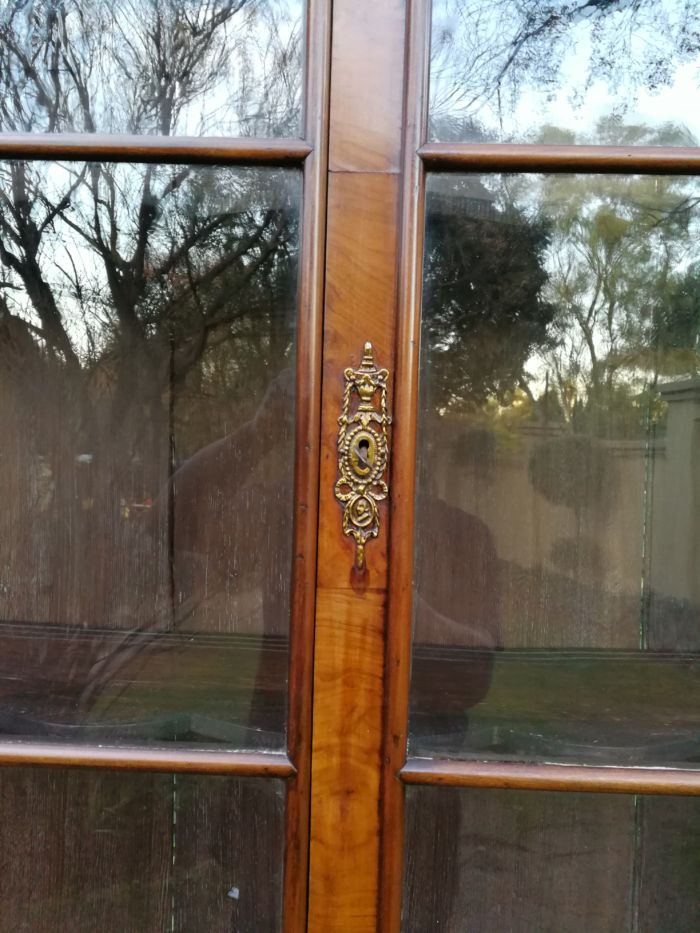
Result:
[{"x": 349, "y": 547}]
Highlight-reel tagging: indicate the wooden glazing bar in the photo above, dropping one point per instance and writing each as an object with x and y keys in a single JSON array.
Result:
[
  {"x": 179, "y": 149},
  {"x": 176, "y": 760},
  {"x": 398, "y": 647},
  {"x": 306, "y": 466},
  {"x": 572, "y": 778},
  {"x": 465, "y": 157}
]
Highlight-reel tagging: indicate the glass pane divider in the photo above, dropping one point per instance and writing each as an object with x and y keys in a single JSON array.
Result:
[
  {"x": 515, "y": 775},
  {"x": 402, "y": 467},
  {"x": 181, "y": 149},
  {"x": 124, "y": 758},
  {"x": 447, "y": 157}
]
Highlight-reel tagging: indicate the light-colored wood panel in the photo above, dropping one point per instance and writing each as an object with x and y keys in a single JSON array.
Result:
[
  {"x": 350, "y": 607},
  {"x": 345, "y": 776},
  {"x": 360, "y": 302},
  {"x": 367, "y": 74}
]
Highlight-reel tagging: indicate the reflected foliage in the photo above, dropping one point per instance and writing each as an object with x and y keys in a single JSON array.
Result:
[
  {"x": 558, "y": 430},
  {"x": 561, "y": 299},
  {"x": 484, "y": 280}
]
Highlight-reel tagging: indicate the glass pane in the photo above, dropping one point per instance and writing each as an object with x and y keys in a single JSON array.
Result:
[
  {"x": 147, "y": 319},
  {"x": 557, "y": 606},
  {"x": 96, "y": 850},
  {"x": 168, "y": 67},
  {"x": 552, "y": 71},
  {"x": 521, "y": 861}
]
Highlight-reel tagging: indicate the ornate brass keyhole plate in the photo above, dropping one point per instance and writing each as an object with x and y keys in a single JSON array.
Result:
[{"x": 363, "y": 447}]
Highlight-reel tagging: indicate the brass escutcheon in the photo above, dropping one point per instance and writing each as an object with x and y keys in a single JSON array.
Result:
[{"x": 363, "y": 448}]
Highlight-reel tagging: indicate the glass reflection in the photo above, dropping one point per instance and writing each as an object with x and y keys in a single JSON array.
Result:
[
  {"x": 520, "y": 861},
  {"x": 99, "y": 850},
  {"x": 169, "y": 67},
  {"x": 147, "y": 321},
  {"x": 557, "y": 611},
  {"x": 552, "y": 71}
]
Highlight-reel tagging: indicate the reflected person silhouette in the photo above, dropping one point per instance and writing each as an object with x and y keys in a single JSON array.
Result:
[
  {"x": 228, "y": 509},
  {"x": 232, "y": 546},
  {"x": 455, "y": 617},
  {"x": 456, "y": 634}
]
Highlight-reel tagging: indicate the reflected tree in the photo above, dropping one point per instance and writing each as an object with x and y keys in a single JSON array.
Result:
[
  {"x": 618, "y": 271},
  {"x": 144, "y": 309},
  {"x": 197, "y": 67},
  {"x": 484, "y": 285}
]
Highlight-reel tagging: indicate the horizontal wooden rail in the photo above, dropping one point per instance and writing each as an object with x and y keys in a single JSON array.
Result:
[
  {"x": 606, "y": 780},
  {"x": 467, "y": 157},
  {"x": 123, "y": 148},
  {"x": 175, "y": 760}
]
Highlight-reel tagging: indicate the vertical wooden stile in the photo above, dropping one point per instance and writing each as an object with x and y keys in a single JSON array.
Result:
[{"x": 365, "y": 132}]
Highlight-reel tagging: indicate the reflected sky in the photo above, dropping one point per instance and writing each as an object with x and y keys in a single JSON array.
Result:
[
  {"x": 167, "y": 67},
  {"x": 611, "y": 71}
]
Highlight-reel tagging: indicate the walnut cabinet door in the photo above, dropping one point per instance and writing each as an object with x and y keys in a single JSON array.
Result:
[{"x": 349, "y": 399}]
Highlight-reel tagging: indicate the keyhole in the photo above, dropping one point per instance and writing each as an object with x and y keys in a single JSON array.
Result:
[{"x": 363, "y": 455}]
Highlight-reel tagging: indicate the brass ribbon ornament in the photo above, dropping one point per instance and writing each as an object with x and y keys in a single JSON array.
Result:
[{"x": 363, "y": 447}]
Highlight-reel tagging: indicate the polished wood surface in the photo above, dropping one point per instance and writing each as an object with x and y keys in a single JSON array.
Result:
[
  {"x": 348, "y": 681},
  {"x": 451, "y": 773},
  {"x": 400, "y": 604},
  {"x": 121, "y": 758},
  {"x": 307, "y": 460},
  {"x": 122, "y": 148},
  {"x": 365, "y": 145},
  {"x": 367, "y": 93},
  {"x": 468, "y": 157}
]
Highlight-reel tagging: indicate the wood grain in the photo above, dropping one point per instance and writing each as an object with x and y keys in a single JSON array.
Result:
[
  {"x": 487, "y": 861},
  {"x": 139, "y": 853},
  {"x": 522, "y": 861},
  {"x": 367, "y": 91},
  {"x": 228, "y": 841},
  {"x": 669, "y": 858},
  {"x": 349, "y": 657}
]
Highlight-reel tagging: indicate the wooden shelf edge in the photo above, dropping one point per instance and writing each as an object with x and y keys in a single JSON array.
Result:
[
  {"x": 124, "y": 148},
  {"x": 572, "y": 778},
  {"x": 469, "y": 157},
  {"x": 176, "y": 760}
]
